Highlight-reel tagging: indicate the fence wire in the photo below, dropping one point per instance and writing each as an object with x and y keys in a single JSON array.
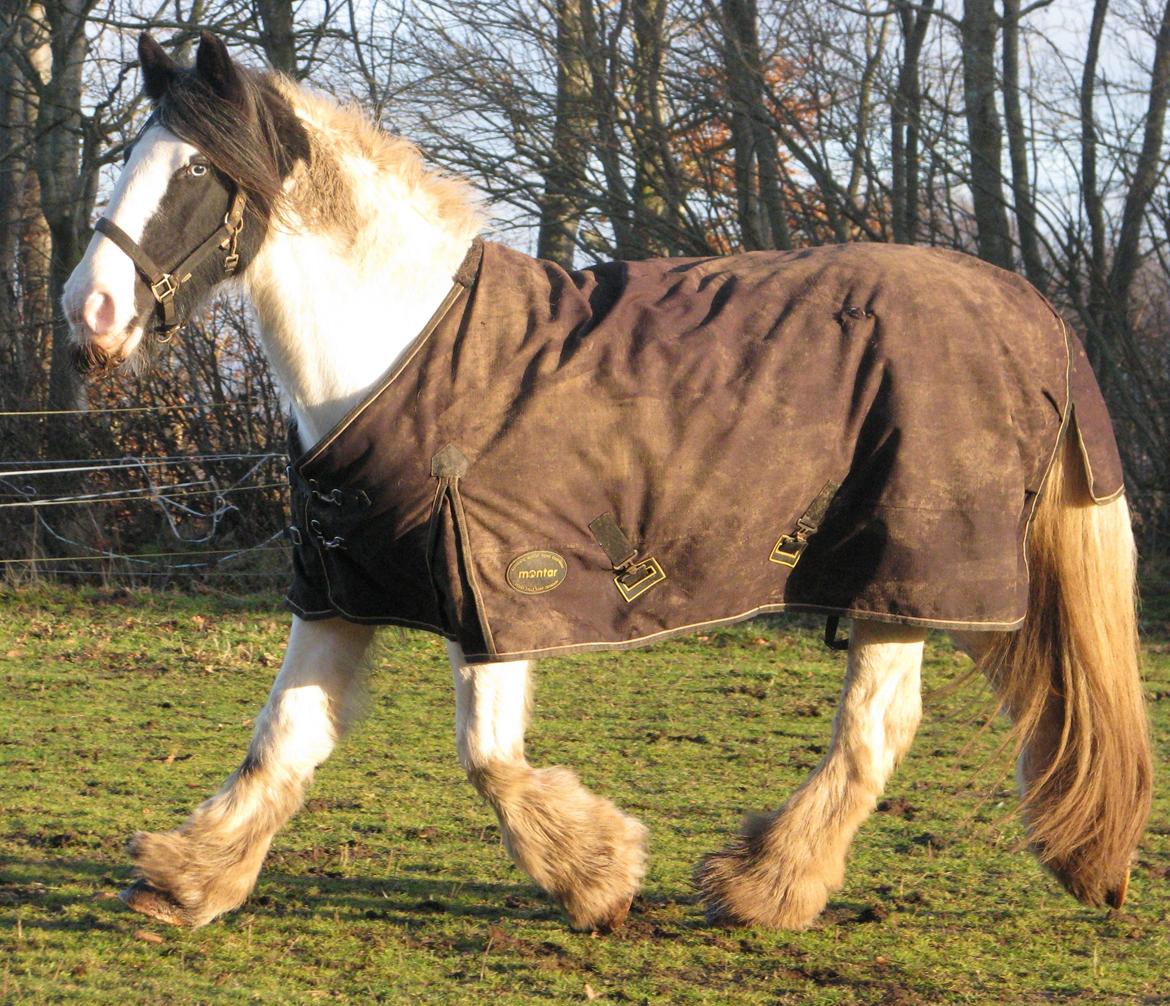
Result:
[{"x": 33, "y": 487}]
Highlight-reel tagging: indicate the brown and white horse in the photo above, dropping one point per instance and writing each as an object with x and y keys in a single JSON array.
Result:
[{"x": 341, "y": 226}]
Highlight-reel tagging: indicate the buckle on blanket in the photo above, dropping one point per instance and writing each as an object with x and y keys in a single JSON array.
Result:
[
  {"x": 789, "y": 547},
  {"x": 787, "y": 550},
  {"x": 639, "y": 577},
  {"x": 634, "y": 576}
]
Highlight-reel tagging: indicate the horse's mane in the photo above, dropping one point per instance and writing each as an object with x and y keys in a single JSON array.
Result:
[
  {"x": 288, "y": 124},
  {"x": 341, "y": 132}
]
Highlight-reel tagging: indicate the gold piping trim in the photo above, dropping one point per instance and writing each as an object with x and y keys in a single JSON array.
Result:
[
  {"x": 630, "y": 644},
  {"x": 1060, "y": 435},
  {"x": 457, "y": 290}
]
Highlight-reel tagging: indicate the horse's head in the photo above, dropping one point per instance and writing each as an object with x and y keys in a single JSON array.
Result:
[{"x": 191, "y": 206}]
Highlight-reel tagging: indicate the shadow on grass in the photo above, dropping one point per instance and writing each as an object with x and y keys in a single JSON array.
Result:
[
  {"x": 78, "y": 895},
  {"x": 74, "y": 894}
]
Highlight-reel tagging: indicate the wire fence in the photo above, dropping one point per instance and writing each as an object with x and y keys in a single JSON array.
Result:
[{"x": 212, "y": 515}]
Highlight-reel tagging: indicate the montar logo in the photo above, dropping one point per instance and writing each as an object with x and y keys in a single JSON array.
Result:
[{"x": 537, "y": 572}]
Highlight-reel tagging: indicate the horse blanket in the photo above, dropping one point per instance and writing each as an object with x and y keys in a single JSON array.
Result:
[{"x": 568, "y": 461}]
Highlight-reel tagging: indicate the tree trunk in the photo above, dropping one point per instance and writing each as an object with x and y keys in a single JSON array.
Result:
[
  {"x": 1127, "y": 257},
  {"x": 740, "y": 86},
  {"x": 564, "y": 177},
  {"x": 983, "y": 131},
  {"x": 14, "y": 117},
  {"x": 276, "y": 34},
  {"x": 906, "y": 120},
  {"x": 1094, "y": 202},
  {"x": 657, "y": 192},
  {"x": 601, "y": 52},
  {"x": 1025, "y": 204},
  {"x": 58, "y": 166},
  {"x": 762, "y": 213},
  {"x": 862, "y": 168}
]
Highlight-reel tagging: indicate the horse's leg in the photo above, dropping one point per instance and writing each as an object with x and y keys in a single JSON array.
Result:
[
  {"x": 576, "y": 845},
  {"x": 209, "y": 864},
  {"x": 782, "y": 867}
]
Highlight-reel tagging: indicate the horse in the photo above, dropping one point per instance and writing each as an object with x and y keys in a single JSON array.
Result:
[{"x": 346, "y": 243}]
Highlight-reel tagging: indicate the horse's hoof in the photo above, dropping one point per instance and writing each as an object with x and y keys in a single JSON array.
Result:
[
  {"x": 148, "y": 900},
  {"x": 615, "y": 919},
  {"x": 1116, "y": 897}
]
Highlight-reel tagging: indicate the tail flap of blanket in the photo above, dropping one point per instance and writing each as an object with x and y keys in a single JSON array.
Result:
[{"x": 1093, "y": 428}]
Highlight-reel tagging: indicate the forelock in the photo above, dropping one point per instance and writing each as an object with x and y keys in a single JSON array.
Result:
[{"x": 255, "y": 142}]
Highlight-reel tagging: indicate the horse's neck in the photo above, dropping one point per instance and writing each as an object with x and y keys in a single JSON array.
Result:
[{"x": 334, "y": 318}]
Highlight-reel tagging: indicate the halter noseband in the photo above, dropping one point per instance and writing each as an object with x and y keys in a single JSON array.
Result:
[{"x": 164, "y": 285}]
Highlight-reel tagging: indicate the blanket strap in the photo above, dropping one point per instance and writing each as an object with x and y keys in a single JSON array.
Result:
[
  {"x": 634, "y": 576},
  {"x": 788, "y": 547},
  {"x": 831, "y": 640}
]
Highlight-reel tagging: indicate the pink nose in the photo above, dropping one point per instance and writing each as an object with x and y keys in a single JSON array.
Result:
[{"x": 99, "y": 312}]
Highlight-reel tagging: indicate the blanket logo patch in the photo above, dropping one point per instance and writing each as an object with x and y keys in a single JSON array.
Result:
[{"x": 537, "y": 572}]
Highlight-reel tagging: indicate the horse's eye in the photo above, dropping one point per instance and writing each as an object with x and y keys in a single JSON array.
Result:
[{"x": 196, "y": 170}]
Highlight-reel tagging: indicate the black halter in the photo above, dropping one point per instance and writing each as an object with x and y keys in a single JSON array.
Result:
[{"x": 164, "y": 285}]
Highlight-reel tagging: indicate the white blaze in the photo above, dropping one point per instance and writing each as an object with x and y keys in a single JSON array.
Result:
[{"x": 99, "y": 295}]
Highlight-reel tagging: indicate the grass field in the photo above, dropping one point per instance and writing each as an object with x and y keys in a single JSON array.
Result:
[{"x": 122, "y": 710}]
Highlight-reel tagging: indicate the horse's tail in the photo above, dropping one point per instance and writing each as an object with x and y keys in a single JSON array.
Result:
[{"x": 1069, "y": 679}]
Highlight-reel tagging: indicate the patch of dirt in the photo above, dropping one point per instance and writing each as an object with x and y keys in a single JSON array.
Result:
[
  {"x": 754, "y": 691},
  {"x": 546, "y": 954},
  {"x": 902, "y": 996},
  {"x": 898, "y": 806},
  {"x": 56, "y": 840},
  {"x": 19, "y": 894},
  {"x": 427, "y": 834},
  {"x": 872, "y": 913},
  {"x": 324, "y": 803}
]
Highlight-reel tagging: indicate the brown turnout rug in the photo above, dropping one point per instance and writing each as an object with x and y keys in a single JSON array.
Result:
[{"x": 596, "y": 459}]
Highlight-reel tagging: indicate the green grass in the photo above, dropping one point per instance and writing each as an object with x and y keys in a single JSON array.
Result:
[{"x": 122, "y": 710}]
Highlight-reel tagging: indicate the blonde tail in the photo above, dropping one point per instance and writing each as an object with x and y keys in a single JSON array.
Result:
[{"x": 1069, "y": 679}]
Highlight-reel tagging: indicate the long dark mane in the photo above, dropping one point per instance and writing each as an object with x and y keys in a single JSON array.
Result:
[{"x": 254, "y": 139}]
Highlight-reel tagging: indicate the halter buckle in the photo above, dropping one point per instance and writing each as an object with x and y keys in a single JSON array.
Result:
[
  {"x": 231, "y": 243},
  {"x": 164, "y": 288}
]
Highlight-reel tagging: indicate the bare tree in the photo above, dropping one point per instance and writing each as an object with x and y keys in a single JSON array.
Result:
[
  {"x": 906, "y": 118},
  {"x": 984, "y": 133},
  {"x": 762, "y": 214},
  {"x": 565, "y": 172}
]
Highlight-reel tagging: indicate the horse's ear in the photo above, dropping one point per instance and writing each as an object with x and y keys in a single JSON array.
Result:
[
  {"x": 158, "y": 69},
  {"x": 215, "y": 67}
]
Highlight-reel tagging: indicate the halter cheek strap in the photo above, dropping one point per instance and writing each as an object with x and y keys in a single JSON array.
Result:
[{"x": 163, "y": 284}]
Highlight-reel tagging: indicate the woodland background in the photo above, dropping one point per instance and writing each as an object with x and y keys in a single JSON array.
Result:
[{"x": 1031, "y": 134}]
